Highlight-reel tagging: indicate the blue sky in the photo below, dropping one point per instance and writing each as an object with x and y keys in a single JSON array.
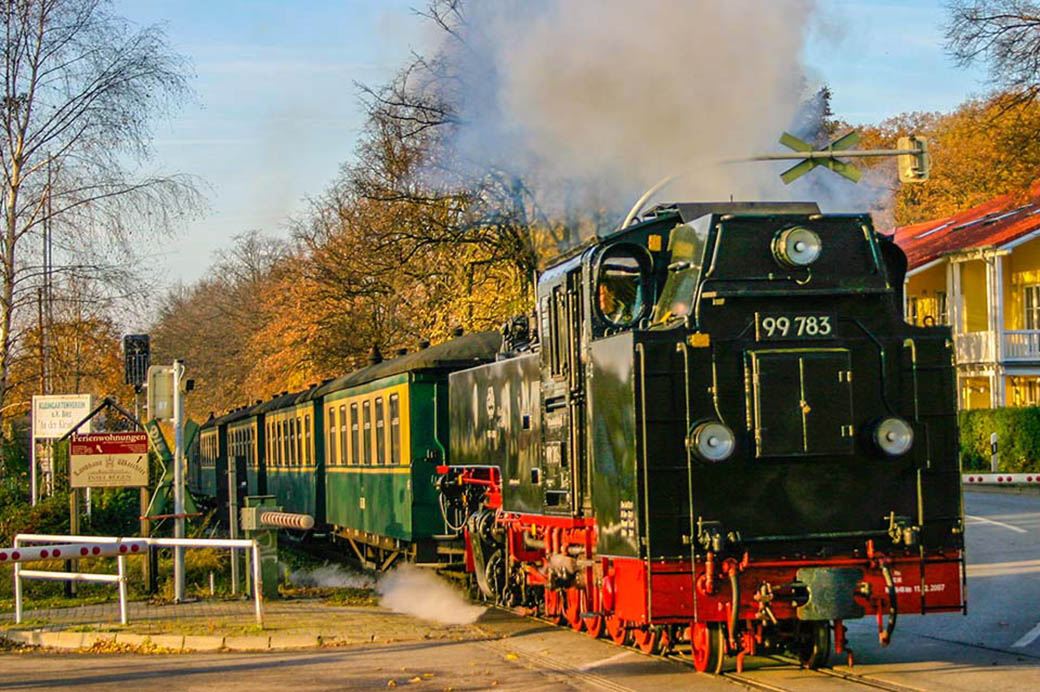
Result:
[{"x": 276, "y": 109}]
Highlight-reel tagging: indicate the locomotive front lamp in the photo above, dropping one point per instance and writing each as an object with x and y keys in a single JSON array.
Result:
[
  {"x": 712, "y": 441},
  {"x": 894, "y": 436},
  {"x": 796, "y": 247}
]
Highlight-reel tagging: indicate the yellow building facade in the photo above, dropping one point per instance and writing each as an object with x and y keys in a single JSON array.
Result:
[{"x": 980, "y": 274}]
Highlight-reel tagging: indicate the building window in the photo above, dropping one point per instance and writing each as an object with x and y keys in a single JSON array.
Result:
[
  {"x": 1032, "y": 305},
  {"x": 395, "y": 429},
  {"x": 943, "y": 307},
  {"x": 911, "y": 310}
]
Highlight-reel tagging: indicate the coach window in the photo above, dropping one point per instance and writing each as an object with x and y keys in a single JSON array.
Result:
[
  {"x": 307, "y": 456},
  {"x": 355, "y": 454},
  {"x": 331, "y": 444},
  {"x": 287, "y": 432},
  {"x": 292, "y": 441},
  {"x": 395, "y": 429},
  {"x": 380, "y": 433},
  {"x": 367, "y": 437},
  {"x": 287, "y": 424},
  {"x": 342, "y": 435}
]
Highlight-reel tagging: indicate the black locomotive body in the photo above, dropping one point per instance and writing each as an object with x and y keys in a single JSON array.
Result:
[{"x": 720, "y": 429}]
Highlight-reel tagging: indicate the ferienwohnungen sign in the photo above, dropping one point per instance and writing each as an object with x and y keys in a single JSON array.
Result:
[{"x": 109, "y": 460}]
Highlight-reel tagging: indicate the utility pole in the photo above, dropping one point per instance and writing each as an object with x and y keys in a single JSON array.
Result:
[{"x": 178, "y": 480}]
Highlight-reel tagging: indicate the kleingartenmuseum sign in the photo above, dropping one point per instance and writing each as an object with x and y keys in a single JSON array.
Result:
[{"x": 109, "y": 460}]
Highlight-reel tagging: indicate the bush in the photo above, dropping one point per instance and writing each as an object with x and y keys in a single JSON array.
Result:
[{"x": 1018, "y": 434}]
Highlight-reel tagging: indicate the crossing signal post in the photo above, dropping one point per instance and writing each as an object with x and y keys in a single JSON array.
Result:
[
  {"x": 912, "y": 154},
  {"x": 166, "y": 389}
]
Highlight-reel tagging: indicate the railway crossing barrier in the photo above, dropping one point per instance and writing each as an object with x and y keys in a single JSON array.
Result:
[
  {"x": 261, "y": 518},
  {"x": 1001, "y": 479},
  {"x": 71, "y": 547}
]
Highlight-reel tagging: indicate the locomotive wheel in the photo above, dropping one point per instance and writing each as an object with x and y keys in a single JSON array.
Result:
[
  {"x": 618, "y": 631},
  {"x": 593, "y": 625},
  {"x": 708, "y": 647},
  {"x": 815, "y": 645},
  {"x": 572, "y": 611},
  {"x": 647, "y": 640},
  {"x": 553, "y": 606}
]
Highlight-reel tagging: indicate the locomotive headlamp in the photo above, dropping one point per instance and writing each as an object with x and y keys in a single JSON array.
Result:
[
  {"x": 712, "y": 441},
  {"x": 796, "y": 247},
  {"x": 894, "y": 436}
]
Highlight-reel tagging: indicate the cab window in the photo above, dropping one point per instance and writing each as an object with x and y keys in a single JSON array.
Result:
[{"x": 621, "y": 284}]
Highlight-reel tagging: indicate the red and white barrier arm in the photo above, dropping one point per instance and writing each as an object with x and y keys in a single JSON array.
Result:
[
  {"x": 1000, "y": 478},
  {"x": 287, "y": 520},
  {"x": 71, "y": 551}
]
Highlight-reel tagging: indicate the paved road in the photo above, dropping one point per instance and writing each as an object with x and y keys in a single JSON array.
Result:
[{"x": 995, "y": 647}]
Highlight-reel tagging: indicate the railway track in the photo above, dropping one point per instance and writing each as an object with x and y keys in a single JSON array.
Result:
[
  {"x": 787, "y": 676},
  {"x": 805, "y": 679}
]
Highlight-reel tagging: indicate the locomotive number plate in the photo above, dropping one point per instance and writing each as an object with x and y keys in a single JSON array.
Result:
[{"x": 770, "y": 327}]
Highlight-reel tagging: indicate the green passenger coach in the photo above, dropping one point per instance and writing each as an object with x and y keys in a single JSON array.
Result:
[
  {"x": 294, "y": 464},
  {"x": 357, "y": 453},
  {"x": 386, "y": 429}
]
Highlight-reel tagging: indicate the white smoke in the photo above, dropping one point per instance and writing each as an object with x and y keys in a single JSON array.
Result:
[
  {"x": 330, "y": 576},
  {"x": 414, "y": 591},
  {"x": 592, "y": 101}
]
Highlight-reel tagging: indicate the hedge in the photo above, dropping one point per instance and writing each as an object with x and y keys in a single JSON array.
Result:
[{"x": 1018, "y": 434}]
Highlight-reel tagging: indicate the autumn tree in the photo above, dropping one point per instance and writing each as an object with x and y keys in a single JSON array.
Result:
[
  {"x": 211, "y": 323},
  {"x": 971, "y": 163},
  {"x": 80, "y": 91},
  {"x": 1005, "y": 36}
]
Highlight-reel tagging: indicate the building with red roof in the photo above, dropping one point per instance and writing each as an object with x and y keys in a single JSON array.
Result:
[{"x": 979, "y": 272}]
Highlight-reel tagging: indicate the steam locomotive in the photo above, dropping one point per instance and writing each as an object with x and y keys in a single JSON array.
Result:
[
  {"x": 723, "y": 433},
  {"x": 715, "y": 427}
]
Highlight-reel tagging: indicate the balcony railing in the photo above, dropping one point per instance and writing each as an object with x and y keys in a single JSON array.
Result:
[
  {"x": 1022, "y": 344},
  {"x": 1018, "y": 345},
  {"x": 973, "y": 347}
]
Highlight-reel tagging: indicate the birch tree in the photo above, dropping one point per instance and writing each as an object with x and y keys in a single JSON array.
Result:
[{"x": 81, "y": 90}]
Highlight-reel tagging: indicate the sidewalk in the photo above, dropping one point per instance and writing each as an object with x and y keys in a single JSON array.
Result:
[{"x": 210, "y": 625}]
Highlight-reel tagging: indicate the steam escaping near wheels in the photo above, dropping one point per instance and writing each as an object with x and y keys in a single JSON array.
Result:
[{"x": 414, "y": 591}]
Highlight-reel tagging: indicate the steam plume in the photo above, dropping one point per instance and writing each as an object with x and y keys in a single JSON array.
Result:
[{"x": 595, "y": 100}]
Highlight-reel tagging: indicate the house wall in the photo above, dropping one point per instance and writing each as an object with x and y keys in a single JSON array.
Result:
[
  {"x": 973, "y": 288},
  {"x": 1022, "y": 267},
  {"x": 923, "y": 288}
]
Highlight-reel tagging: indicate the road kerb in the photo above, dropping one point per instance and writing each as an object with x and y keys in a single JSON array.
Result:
[{"x": 247, "y": 643}]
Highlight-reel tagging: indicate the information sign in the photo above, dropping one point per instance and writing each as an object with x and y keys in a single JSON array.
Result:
[
  {"x": 55, "y": 414},
  {"x": 109, "y": 460}
]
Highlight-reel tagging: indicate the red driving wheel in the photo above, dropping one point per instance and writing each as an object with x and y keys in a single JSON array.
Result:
[{"x": 572, "y": 609}]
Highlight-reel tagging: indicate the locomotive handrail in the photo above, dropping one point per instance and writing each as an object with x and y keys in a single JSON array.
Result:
[{"x": 810, "y": 536}]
